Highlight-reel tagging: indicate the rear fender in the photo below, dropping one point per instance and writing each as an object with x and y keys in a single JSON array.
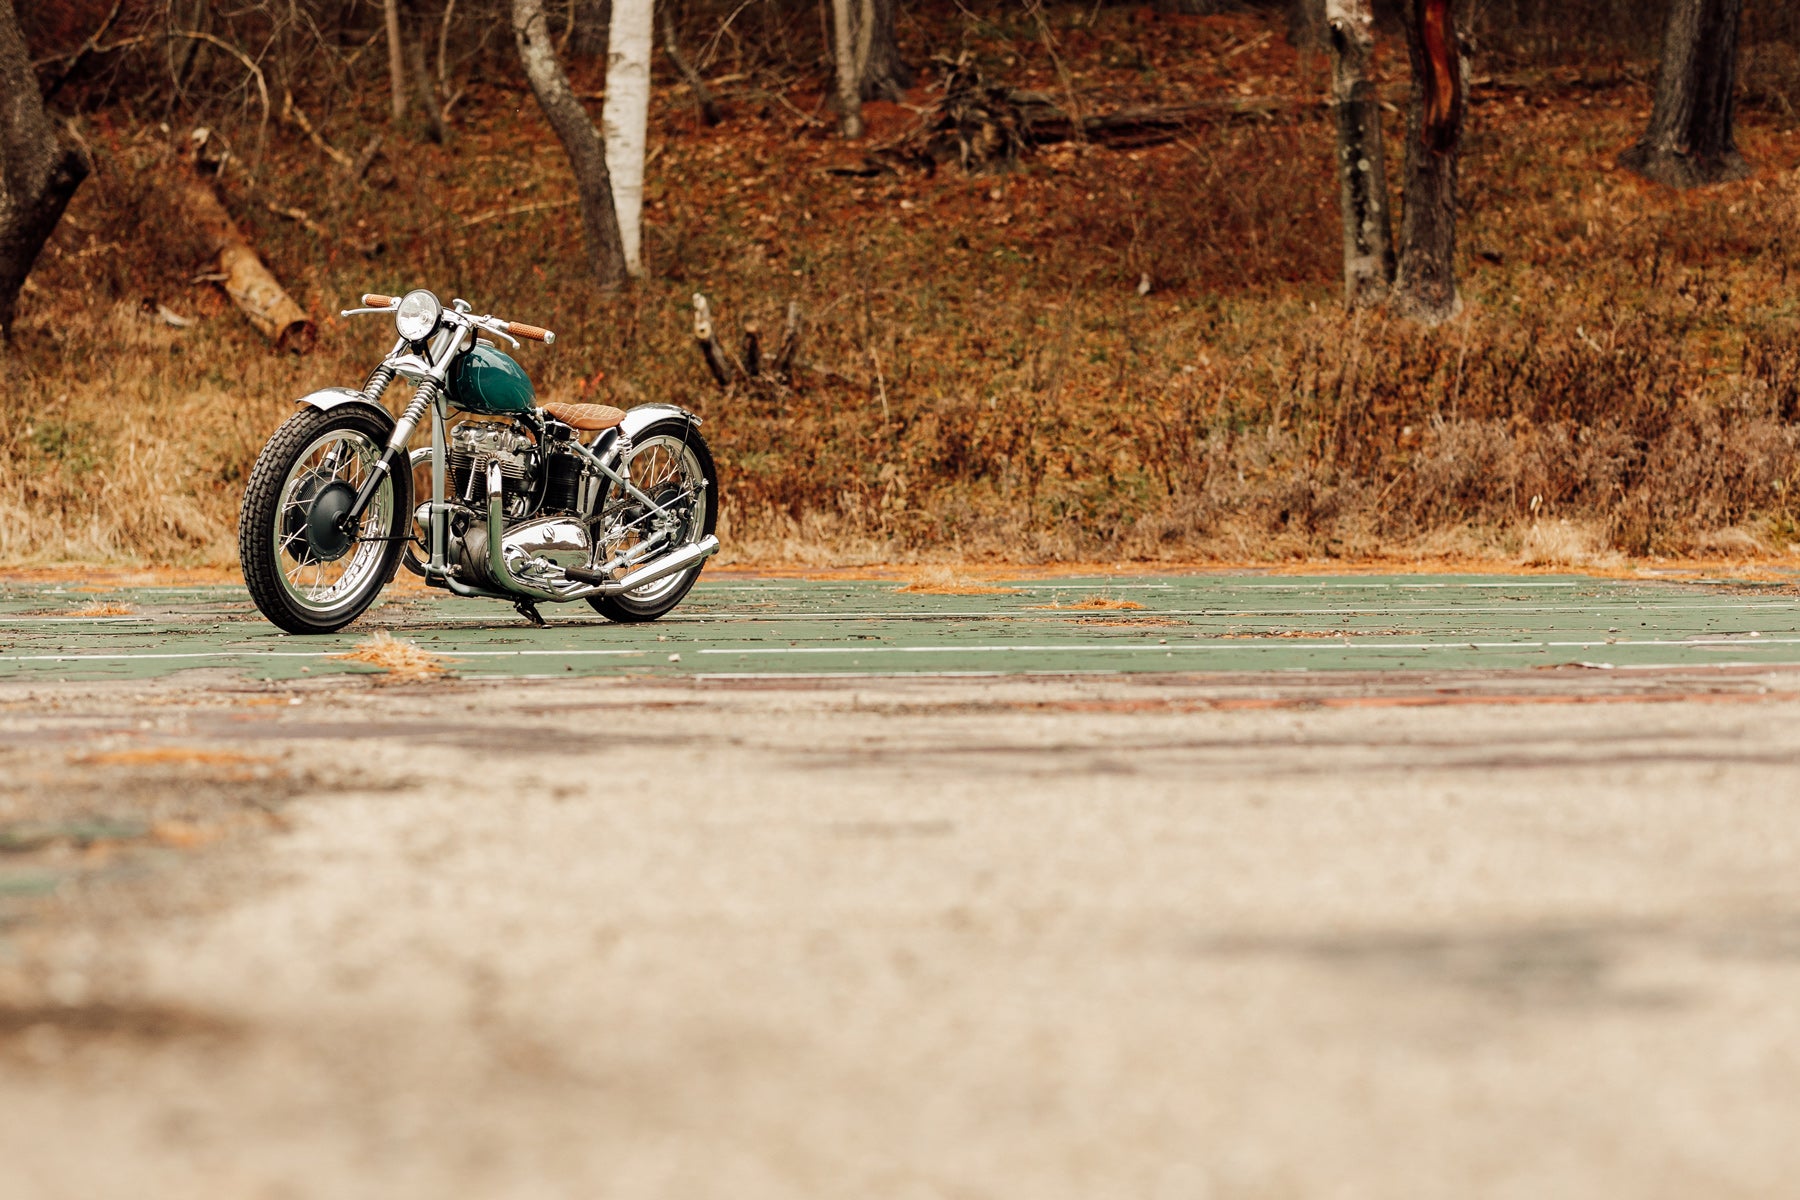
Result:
[
  {"x": 645, "y": 415},
  {"x": 639, "y": 419}
]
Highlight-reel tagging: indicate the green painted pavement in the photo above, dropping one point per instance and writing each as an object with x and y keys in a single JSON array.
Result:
[{"x": 737, "y": 625}]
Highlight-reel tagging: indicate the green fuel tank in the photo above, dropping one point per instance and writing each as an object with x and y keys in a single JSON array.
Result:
[{"x": 485, "y": 380}]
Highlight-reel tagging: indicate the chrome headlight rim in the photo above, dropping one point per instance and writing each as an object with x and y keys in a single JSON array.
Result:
[{"x": 417, "y": 315}]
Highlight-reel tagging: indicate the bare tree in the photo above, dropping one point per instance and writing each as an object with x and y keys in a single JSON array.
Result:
[
  {"x": 849, "y": 90},
  {"x": 396, "y": 60},
  {"x": 1362, "y": 168},
  {"x": 881, "y": 74},
  {"x": 1425, "y": 287},
  {"x": 1689, "y": 141},
  {"x": 581, "y": 141},
  {"x": 39, "y": 170},
  {"x": 416, "y": 33}
]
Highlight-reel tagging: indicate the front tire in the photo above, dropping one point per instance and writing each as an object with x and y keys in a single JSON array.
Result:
[
  {"x": 305, "y": 575},
  {"x": 669, "y": 460}
]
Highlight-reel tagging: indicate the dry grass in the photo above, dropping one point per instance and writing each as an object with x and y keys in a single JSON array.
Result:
[
  {"x": 950, "y": 581},
  {"x": 984, "y": 381},
  {"x": 1566, "y": 544},
  {"x": 103, "y": 609},
  {"x": 1095, "y": 603},
  {"x": 400, "y": 661}
]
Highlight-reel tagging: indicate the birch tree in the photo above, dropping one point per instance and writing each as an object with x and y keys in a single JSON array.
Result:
[
  {"x": 396, "y": 60},
  {"x": 849, "y": 88},
  {"x": 1425, "y": 285},
  {"x": 625, "y": 118},
  {"x": 865, "y": 54},
  {"x": 1690, "y": 140},
  {"x": 580, "y": 140},
  {"x": 39, "y": 170},
  {"x": 1362, "y": 170}
]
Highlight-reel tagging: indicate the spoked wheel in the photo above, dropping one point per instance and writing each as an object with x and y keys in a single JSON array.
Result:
[
  {"x": 306, "y": 573},
  {"x": 670, "y": 464}
]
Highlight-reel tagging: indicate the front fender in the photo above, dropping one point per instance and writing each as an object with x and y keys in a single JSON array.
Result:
[{"x": 326, "y": 399}]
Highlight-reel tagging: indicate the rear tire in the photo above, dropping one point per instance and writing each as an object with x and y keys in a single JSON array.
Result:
[
  {"x": 303, "y": 576},
  {"x": 675, "y": 444}
]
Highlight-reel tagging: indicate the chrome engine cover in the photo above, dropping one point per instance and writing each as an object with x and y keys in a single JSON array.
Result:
[{"x": 535, "y": 551}]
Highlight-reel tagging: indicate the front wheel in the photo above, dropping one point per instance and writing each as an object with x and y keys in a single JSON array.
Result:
[
  {"x": 306, "y": 573},
  {"x": 671, "y": 464}
]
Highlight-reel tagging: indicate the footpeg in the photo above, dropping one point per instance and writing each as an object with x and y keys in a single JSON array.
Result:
[{"x": 587, "y": 575}]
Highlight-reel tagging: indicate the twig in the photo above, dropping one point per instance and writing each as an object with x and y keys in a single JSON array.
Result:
[
  {"x": 518, "y": 210},
  {"x": 443, "y": 51},
  {"x": 709, "y": 348},
  {"x": 703, "y": 97},
  {"x": 291, "y": 112},
  {"x": 262, "y": 84},
  {"x": 87, "y": 47},
  {"x": 753, "y": 363},
  {"x": 361, "y": 166},
  {"x": 790, "y": 343}
]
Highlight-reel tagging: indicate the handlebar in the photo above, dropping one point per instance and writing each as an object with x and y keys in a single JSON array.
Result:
[
  {"x": 374, "y": 302},
  {"x": 531, "y": 332}
]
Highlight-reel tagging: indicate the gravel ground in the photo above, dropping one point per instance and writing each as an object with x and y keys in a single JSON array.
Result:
[{"x": 1149, "y": 937}]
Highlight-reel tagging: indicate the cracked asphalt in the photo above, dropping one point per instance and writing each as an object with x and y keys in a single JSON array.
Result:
[{"x": 1396, "y": 933}]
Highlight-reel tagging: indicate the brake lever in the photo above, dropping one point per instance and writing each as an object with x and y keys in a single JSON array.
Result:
[
  {"x": 356, "y": 312},
  {"x": 488, "y": 325}
]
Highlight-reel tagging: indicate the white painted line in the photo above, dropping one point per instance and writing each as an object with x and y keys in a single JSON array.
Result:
[
  {"x": 5, "y": 621},
  {"x": 1346, "y": 643}
]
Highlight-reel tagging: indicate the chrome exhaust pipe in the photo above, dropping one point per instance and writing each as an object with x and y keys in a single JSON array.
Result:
[
  {"x": 496, "y": 559},
  {"x": 673, "y": 563}
]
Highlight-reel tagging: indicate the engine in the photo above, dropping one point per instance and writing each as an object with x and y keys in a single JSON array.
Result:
[
  {"x": 475, "y": 444},
  {"x": 544, "y": 494}
]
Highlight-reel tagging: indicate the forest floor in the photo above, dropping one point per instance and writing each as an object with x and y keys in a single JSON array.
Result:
[{"x": 1090, "y": 354}]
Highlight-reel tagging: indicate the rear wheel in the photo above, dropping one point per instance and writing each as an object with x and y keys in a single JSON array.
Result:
[
  {"x": 306, "y": 573},
  {"x": 671, "y": 464}
]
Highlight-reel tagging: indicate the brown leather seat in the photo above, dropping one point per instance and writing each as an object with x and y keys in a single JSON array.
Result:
[{"x": 586, "y": 416}]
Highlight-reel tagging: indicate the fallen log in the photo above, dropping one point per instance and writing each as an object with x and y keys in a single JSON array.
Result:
[
  {"x": 976, "y": 122},
  {"x": 249, "y": 283}
]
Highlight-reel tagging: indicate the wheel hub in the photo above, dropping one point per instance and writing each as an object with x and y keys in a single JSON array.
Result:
[{"x": 327, "y": 537}]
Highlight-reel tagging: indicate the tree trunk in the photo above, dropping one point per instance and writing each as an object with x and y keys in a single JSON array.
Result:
[
  {"x": 1689, "y": 141},
  {"x": 849, "y": 90},
  {"x": 703, "y": 97},
  {"x": 38, "y": 170},
  {"x": 396, "y": 60},
  {"x": 1362, "y": 168},
  {"x": 625, "y": 119},
  {"x": 416, "y": 32},
  {"x": 1307, "y": 21},
  {"x": 580, "y": 140},
  {"x": 1425, "y": 287},
  {"x": 880, "y": 72}
]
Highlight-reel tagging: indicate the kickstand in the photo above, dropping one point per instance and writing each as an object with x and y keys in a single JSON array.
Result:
[{"x": 528, "y": 610}]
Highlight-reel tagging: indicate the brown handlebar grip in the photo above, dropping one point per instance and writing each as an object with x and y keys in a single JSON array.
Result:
[
  {"x": 376, "y": 300},
  {"x": 532, "y": 332}
]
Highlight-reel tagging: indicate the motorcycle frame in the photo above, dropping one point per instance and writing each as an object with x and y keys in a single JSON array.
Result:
[{"x": 457, "y": 332}]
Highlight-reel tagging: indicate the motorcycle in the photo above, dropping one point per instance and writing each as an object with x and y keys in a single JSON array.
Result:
[{"x": 528, "y": 503}]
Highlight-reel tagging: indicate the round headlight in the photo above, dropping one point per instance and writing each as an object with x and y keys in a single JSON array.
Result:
[{"x": 417, "y": 315}]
